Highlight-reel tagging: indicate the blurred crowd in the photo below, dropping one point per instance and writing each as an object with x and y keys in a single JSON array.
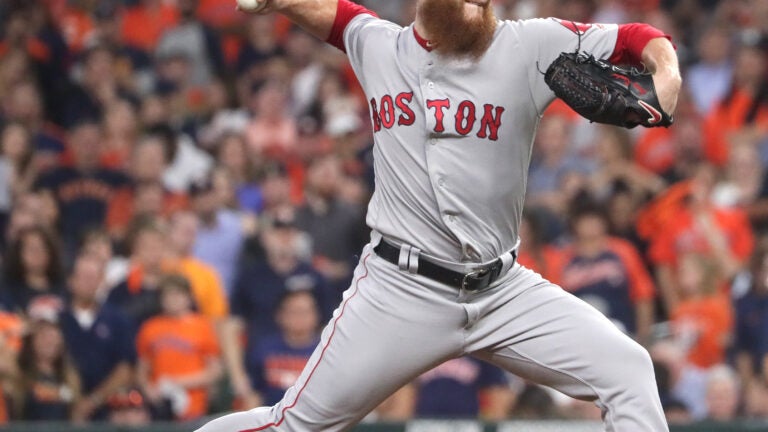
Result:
[{"x": 183, "y": 191}]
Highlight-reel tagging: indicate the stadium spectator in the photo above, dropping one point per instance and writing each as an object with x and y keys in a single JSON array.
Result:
[
  {"x": 272, "y": 132},
  {"x": 235, "y": 159},
  {"x": 687, "y": 383},
  {"x": 607, "y": 272},
  {"x": 146, "y": 196},
  {"x": 335, "y": 227},
  {"x": 137, "y": 296},
  {"x": 703, "y": 318},
  {"x": 263, "y": 282},
  {"x": 83, "y": 190},
  {"x": 722, "y": 393},
  {"x": 33, "y": 270},
  {"x": 535, "y": 253},
  {"x": 221, "y": 233},
  {"x": 751, "y": 330},
  {"x": 48, "y": 384},
  {"x": 696, "y": 224},
  {"x": 463, "y": 387},
  {"x": 11, "y": 329},
  {"x": 277, "y": 359},
  {"x": 99, "y": 339},
  {"x": 708, "y": 80},
  {"x": 97, "y": 243},
  {"x": 121, "y": 129},
  {"x": 194, "y": 40},
  {"x": 742, "y": 109},
  {"x": 207, "y": 289},
  {"x": 178, "y": 352}
]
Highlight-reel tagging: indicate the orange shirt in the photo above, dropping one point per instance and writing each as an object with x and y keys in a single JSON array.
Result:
[
  {"x": 176, "y": 347},
  {"x": 655, "y": 150},
  {"x": 11, "y": 328},
  {"x": 142, "y": 28},
  {"x": 711, "y": 320},
  {"x": 681, "y": 235},
  {"x": 726, "y": 119},
  {"x": 549, "y": 264},
  {"x": 207, "y": 288}
]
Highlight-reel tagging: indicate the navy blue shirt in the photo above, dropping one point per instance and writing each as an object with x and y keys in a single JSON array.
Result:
[
  {"x": 273, "y": 366},
  {"x": 97, "y": 350},
  {"x": 752, "y": 327},
  {"x": 82, "y": 197},
  {"x": 138, "y": 306},
  {"x": 46, "y": 400},
  {"x": 452, "y": 390},
  {"x": 260, "y": 288}
]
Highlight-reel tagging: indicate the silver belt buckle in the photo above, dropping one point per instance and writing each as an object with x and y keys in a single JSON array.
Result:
[{"x": 472, "y": 274}]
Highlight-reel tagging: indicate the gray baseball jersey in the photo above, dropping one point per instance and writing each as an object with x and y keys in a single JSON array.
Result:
[
  {"x": 453, "y": 138},
  {"x": 452, "y": 145}
]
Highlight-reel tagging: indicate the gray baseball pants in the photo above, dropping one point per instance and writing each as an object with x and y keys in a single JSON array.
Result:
[{"x": 393, "y": 325}]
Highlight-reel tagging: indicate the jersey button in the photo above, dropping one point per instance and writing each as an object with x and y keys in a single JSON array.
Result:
[
  {"x": 431, "y": 85},
  {"x": 440, "y": 182}
]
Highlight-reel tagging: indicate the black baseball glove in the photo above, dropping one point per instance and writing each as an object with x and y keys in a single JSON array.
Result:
[{"x": 605, "y": 93}]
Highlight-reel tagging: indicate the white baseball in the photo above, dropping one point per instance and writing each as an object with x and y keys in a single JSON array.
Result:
[{"x": 251, "y": 5}]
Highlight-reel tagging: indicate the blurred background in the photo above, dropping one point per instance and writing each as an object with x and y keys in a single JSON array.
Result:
[{"x": 183, "y": 190}]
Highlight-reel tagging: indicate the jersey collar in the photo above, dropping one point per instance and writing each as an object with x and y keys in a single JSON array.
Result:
[{"x": 427, "y": 45}]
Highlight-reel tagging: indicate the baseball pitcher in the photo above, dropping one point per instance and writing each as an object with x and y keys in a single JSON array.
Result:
[{"x": 455, "y": 99}]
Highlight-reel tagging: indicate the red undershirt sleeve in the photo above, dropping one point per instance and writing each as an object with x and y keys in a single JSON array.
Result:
[
  {"x": 631, "y": 41},
  {"x": 345, "y": 12}
]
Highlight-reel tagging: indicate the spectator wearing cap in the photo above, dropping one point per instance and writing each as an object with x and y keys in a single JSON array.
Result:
[
  {"x": 221, "y": 232},
  {"x": 128, "y": 407},
  {"x": 33, "y": 270},
  {"x": 83, "y": 190},
  {"x": 199, "y": 43},
  {"x": 178, "y": 352},
  {"x": 48, "y": 384},
  {"x": 261, "y": 284},
  {"x": 336, "y": 228},
  {"x": 276, "y": 360},
  {"x": 607, "y": 272},
  {"x": 99, "y": 338}
]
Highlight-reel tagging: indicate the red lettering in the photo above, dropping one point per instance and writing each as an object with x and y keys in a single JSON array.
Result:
[
  {"x": 407, "y": 117},
  {"x": 490, "y": 122},
  {"x": 465, "y": 117},
  {"x": 387, "y": 112},
  {"x": 439, "y": 105},
  {"x": 375, "y": 116}
]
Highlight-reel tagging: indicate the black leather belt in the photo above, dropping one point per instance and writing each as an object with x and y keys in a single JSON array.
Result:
[{"x": 473, "y": 281}]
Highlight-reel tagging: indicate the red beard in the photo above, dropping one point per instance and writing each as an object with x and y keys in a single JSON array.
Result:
[{"x": 451, "y": 32}]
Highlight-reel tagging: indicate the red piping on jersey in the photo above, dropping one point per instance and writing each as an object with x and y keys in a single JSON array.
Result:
[
  {"x": 319, "y": 360},
  {"x": 345, "y": 12},
  {"x": 423, "y": 42},
  {"x": 631, "y": 41}
]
